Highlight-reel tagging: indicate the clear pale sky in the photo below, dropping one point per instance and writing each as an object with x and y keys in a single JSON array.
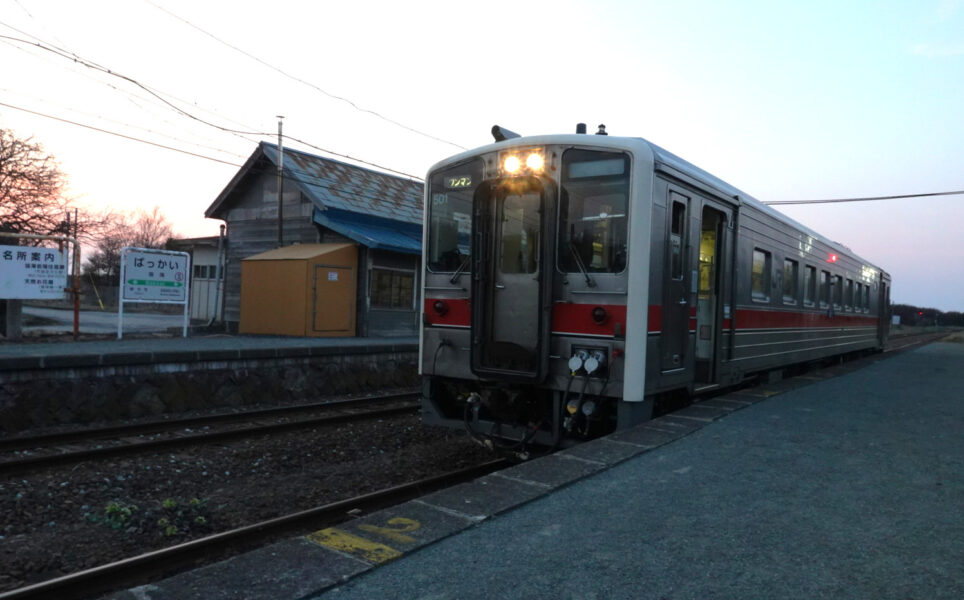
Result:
[{"x": 785, "y": 100}]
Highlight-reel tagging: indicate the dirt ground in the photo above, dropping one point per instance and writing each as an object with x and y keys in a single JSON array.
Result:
[{"x": 79, "y": 516}]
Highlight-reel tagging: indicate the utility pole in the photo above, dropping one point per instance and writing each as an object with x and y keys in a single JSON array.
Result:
[{"x": 281, "y": 158}]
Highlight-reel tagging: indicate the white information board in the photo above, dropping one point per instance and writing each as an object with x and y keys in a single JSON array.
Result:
[
  {"x": 152, "y": 275},
  {"x": 31, "y": 273}
]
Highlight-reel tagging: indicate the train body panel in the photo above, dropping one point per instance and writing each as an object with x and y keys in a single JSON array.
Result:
[{"x": 567, "y": 291}]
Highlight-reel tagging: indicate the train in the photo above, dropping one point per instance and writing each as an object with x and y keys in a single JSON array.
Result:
[{"x": 573, "y": 283}]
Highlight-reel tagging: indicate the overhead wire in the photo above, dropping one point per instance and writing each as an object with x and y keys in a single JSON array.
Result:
[
  {"x": 157, "y": 94},
  {"x": 302, "y": 81},
  {"x": 116, "y": 122},
  {"x": 296, "y": 174},
  {"x": 866, "y": 199},
  {"x": 121, "y": 135}
]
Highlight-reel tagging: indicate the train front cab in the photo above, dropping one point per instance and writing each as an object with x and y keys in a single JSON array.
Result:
[
  {"x": 545, "y": 293},
  {"x": 527, "y": 275}
]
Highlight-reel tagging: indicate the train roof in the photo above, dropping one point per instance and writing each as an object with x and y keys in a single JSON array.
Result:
[{"x": 662, "y": 157}]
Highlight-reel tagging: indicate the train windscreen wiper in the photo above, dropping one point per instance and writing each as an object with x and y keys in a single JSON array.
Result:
[
  {"x": 582, "y": 266},
  {"x": 458, "y": 272}
]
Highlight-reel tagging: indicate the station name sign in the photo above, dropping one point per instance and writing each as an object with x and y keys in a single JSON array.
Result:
[{"x": 154, "y": 276}]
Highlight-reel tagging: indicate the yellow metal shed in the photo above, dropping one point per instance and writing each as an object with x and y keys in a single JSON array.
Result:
[{"x": 305, "y": 290}]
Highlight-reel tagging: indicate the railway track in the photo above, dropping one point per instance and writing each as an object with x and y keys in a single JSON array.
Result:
[
  {"x": 159, "y": 563},
  {"x": 31, "y": 452}
]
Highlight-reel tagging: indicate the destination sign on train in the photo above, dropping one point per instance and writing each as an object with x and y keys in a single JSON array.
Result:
[{"x": 458, "y": 182}]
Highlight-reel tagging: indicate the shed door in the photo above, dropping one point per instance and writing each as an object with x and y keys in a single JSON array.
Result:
[{"x": 332, "y": 305}]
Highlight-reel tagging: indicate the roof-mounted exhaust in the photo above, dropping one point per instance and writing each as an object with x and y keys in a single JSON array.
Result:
[{"x": 502, "y": 134}]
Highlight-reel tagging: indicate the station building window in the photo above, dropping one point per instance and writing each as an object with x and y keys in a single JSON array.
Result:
[
  {"x": 760, "y": 276},
  {"x": 790, "y": 272},
  {"x": 809, "y": 286},
  {"x": 392, "y": 289}
]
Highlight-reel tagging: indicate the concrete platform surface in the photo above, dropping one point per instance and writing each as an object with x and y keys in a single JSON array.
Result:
[{"x": 847, "y": 486}]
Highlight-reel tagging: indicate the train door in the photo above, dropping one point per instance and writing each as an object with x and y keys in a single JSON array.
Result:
[
  {"x": 674, "y": 329},
  {"x": 511, "y": 279},
  {"x": 709, "y": 293}
]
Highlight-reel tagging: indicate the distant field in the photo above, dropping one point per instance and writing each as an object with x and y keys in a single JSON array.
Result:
[
  {"x": 957, "y": 338},
  {"x": 899, "y": 330}
]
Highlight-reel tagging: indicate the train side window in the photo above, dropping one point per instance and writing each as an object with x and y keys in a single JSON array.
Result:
[
  {"x": 676, "y": 240},
  {"x": 866, "y": 298},
  {"x": 849, "y": 295},
  {"x": 760, "y": 276},
  {"x": 837, "y": 291},
  {"x": 791, "y": 270},
  {"x": 809, "y": 285},
  {"x": 824, "y": 289}
]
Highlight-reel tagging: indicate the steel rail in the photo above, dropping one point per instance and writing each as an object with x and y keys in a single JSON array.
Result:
[
  {"x": 130, "y": 571},
  {"x": 30, "y": 462},
  {"x": 67, "y": 437}
]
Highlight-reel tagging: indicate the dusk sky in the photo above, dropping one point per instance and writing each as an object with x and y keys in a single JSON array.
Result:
[{"x": 785, "y": 100}]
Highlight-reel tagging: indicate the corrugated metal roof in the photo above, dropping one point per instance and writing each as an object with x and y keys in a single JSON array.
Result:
[
  {"x": 332, "y": 184},
  {"x": 373, "y": 232},
  {"x": 298, "y": 252}
]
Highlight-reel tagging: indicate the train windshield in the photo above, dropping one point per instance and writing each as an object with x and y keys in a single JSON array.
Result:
[
  {"x": 593, "y": 215},
  {"x": 450, "y": 216}
]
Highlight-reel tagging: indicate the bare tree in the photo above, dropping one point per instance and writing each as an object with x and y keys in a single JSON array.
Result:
[
  {"x": 32, "y": 198},
  {"x": 31, "y": 188},
  {"x": 151, "y": 229},
  {"x": 142, "y": 229}
]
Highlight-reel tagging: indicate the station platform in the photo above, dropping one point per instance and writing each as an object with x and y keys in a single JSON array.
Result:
[
  {"x": 844, "y": 483},
  {"x": 194, "y": 348}
]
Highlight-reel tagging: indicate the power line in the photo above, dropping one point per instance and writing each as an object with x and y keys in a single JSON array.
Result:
[
  {"x": 131, "y": 80},
  {"x": 121, "y": 123},
  {"x": 157, "y": 94},
  {"x": 302, "y": 81},
  {"x": 867, "y": 199},
  {"x": 120, "y": 135},
  {"x": 302, "y": 176}
]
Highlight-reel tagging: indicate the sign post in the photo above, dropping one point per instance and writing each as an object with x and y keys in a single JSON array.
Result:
[{"x": 152, "y": 275}]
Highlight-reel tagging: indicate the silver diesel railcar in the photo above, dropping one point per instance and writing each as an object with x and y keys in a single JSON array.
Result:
[{"x": 573, "y": 281}]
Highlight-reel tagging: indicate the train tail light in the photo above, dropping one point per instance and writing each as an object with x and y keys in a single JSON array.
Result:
[{"x": 440, "y": 307}]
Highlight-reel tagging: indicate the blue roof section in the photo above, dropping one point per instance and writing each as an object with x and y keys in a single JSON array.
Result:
[
  {"x": 373, "y": 232},
  {"x": 332, "y": 184}
]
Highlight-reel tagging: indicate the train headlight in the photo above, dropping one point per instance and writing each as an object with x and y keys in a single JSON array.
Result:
[
  {"x": 535, "y": 162},
  {"x": 523, "y": 161}
]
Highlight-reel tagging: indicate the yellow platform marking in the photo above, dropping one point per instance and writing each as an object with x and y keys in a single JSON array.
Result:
[
  {"x": 396, "y": 533},
  {"x": 343, "y": 541}
]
